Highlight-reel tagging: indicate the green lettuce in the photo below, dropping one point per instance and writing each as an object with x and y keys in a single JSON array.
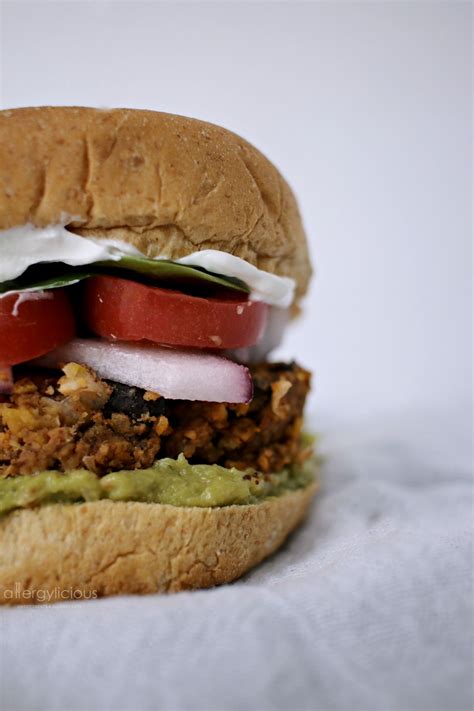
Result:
[{"x": 57, "y": 275}]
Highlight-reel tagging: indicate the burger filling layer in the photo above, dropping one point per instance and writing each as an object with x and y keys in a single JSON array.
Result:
[
  {"x": 165, "y": 393},
  {"x": 77, "y": 437},
  {"x": 79, "y": 420}
]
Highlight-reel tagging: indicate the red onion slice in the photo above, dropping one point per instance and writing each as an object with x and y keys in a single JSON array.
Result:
[{"x": 173, "y": 373}]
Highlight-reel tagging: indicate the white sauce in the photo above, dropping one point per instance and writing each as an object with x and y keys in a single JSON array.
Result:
[
  {"x": 21, "y": 247},
  {"x": 274, "y": 290},
  {"x": 29, "y": 296}
]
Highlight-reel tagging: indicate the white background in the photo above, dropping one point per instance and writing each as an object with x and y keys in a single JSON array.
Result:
[{"x": 366, "y": 109}]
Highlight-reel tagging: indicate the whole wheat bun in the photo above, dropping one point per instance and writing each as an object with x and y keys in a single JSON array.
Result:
[
  {"x": 112, "y": 548},
  {"x": 170, "y": 185}
]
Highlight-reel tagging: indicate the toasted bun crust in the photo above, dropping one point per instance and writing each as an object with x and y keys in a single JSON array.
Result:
[
  {"x": 112, "y": 548},
  {"x": 170, "y": 185}
]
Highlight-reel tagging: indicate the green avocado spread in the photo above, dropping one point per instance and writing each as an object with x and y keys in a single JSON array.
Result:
[{"x": 168, "y": 481}]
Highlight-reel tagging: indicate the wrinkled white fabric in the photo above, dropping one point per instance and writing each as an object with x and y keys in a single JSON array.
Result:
[{"x": 369, "y": 606}]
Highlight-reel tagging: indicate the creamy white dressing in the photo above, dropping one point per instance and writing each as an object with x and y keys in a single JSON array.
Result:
[
  {"x": 29, "y": 296},
  {"x": 26, "y": 245},
  {"x": 270, "y": 288}
]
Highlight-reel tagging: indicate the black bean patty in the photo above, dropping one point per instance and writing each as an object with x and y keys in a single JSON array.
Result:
[{"x": 77, "y": 420}]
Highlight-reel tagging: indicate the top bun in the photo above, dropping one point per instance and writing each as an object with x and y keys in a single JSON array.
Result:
[{"x": 169, "y": 185}]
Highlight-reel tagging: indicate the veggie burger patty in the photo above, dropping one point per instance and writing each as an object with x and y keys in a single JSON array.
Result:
[{"x": 79, "y": 420}]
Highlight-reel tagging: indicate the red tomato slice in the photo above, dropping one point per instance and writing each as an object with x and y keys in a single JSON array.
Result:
[
  {"x": 33, "y": 323},
  {"x": 121, "y": 309}
]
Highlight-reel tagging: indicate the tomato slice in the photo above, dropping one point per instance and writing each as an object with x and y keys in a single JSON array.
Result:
[
  {"x": 33, "y": 323},
  {"x": 121, "y": 309}
]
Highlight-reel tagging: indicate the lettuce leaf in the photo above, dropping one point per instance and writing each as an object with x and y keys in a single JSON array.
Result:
[{"x": 58, "y": 275}]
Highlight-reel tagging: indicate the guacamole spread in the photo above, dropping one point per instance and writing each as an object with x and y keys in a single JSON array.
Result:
[{"x": 168, "y": 481}]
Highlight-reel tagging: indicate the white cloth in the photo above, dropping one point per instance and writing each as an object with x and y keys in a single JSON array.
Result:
[{"x": 369, "y": 606}]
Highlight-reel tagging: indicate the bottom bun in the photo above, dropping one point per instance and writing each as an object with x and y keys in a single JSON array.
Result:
[{"x": 80, "y": 551}]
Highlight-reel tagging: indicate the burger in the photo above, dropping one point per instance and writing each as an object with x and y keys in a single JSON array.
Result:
[{"x": 149, "y": 264}]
